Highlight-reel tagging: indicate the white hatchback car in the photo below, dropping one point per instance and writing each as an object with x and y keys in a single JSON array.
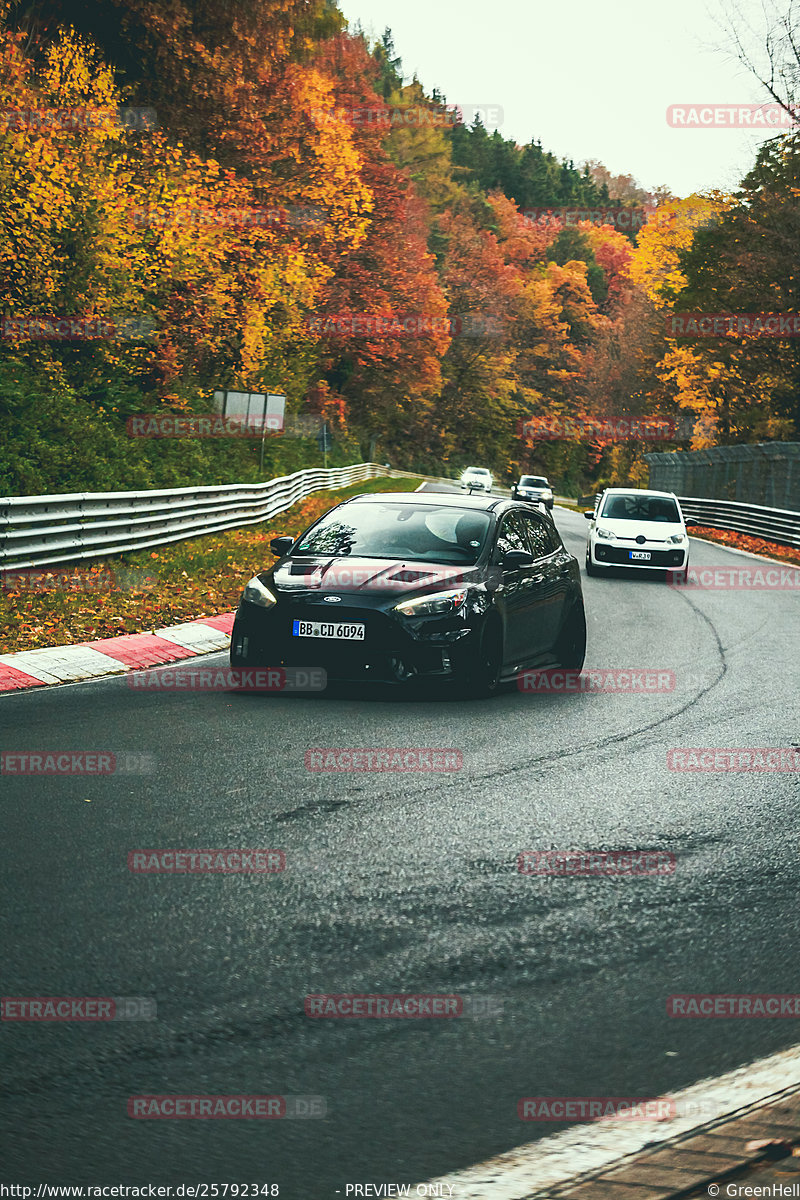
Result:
[
  {"x": 632, "y": 527},
  {"x": 476, "y": 479}
]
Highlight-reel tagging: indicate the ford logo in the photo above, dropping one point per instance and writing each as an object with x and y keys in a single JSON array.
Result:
[{"x": 332, "y": 599}]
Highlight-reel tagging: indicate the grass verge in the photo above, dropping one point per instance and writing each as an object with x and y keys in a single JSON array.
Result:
[{"x": 149, "y": 589}]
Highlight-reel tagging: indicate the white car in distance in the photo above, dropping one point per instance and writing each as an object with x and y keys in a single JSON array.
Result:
[
  {"x": 476, "y": 479},
  {"x": 634, "y": 527}
]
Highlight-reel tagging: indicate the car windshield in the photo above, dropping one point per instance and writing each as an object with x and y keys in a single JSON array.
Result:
[
  {"x": 633, "y": 507},
  {"x": 476, "y": 471},
  {"x": 534, "y": 481},
  {"x": 420, "y": 533}
]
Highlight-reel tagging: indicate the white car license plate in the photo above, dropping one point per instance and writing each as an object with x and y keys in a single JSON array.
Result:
[
  {"x": 640, "y": 555},
  {"x": 347, "y": 631}
]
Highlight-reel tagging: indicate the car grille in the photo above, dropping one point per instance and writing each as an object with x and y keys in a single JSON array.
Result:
[
  {"x": 619, "y": 554},
  {"x": 386, "y": 652}
]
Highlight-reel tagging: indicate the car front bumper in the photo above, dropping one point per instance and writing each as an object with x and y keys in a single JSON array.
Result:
[
  {"x": 391, "y": 651},
  {"x": 611, "y": 554}
]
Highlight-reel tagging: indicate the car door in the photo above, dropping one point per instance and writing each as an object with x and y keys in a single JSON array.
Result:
[
  {"x": 519, "y": 593},
  {"x": 550, "y": 576}
]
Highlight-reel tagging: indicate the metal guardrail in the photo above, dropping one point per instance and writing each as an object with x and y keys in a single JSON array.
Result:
[
  {"x": 776, "y": 524},
  {"x": 39, "y": 530}
]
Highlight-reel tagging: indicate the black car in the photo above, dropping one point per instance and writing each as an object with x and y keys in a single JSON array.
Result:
[
  {"x": 396, "y": 586},
  {"x": 533, "y": 488}
]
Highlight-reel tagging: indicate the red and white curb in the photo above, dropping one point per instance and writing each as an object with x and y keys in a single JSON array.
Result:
[
  {"x": 531, "y": 1172},
  {"x": 113, "y": 656}
]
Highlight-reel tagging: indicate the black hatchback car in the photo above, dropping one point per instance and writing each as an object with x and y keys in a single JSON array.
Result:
[{"x": 395, "y": 586}]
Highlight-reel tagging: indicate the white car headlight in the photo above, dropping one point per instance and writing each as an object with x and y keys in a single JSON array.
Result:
[
  {"x": 440, "y": 604},
  {"x": 547, "y": 494},
  {"x": 256, "y": 593},
  {"x": 677, "y": 538},
  {"x": 605, "y": 534}
]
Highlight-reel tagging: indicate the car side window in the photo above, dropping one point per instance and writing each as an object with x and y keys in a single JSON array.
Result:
[
  {"x": 542, "y": 539},
  {"x": 511, "y": 536}
]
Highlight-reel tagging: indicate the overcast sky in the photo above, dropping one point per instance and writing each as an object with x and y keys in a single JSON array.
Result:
[{"x": 588, "y": 79}]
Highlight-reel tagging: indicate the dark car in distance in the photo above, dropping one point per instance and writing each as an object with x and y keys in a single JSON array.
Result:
[
  {"x": 533, "y": 488},
  {"x": 397, "y": 586}
]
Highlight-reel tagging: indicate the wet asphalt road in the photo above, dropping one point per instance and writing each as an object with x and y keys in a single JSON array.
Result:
[{"x": 399, "y": 884}]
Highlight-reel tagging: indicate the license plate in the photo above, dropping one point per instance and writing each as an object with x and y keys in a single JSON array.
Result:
[
  {"x": 640, "y": 555},
  {"x": 347, "y": 631}
]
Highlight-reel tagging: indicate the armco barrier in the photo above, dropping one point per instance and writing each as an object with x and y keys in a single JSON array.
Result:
[
  {"x": 775, "y": 524},
  {"x": 38, "y": 530}
]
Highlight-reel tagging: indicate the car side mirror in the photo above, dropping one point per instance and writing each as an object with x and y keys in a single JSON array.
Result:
[
  {"x": 588, "y": 515},
  {"x": 281, "y": 545},
  {"x": 515, "y": 560},
  {"x": 689, "y": 521}
]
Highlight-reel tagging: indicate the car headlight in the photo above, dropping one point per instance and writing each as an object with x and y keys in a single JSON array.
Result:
[
  {"x": 606, "y": 534},
  {"x": 256, "y": 593},
  {"x": 677, "y": 538},
  {"x": 440, "y": 604},
  {"x": 547, "y": 494}
]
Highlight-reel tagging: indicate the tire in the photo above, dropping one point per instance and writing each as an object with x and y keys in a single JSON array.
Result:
[
  {"x": 591, "y": 569},
  {"x": 570, "y": 646},
  {"x": 482, "y": 678}
]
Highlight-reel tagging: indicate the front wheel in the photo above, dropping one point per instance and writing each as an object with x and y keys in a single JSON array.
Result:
[
  {"x": 482, "y": 678},
  {"x": 591, "y": 569},
  {"x": 570, "y": 647}
]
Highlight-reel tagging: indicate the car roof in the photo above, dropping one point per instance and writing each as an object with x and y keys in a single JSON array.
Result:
[
  {"x": 434, "y": 499},
  {"x": 623, "y": 491}
]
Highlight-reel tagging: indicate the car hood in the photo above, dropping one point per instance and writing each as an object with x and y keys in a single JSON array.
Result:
[
  {"x": 654, "y": 531},
  {"x": 387, "y": 575}
]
